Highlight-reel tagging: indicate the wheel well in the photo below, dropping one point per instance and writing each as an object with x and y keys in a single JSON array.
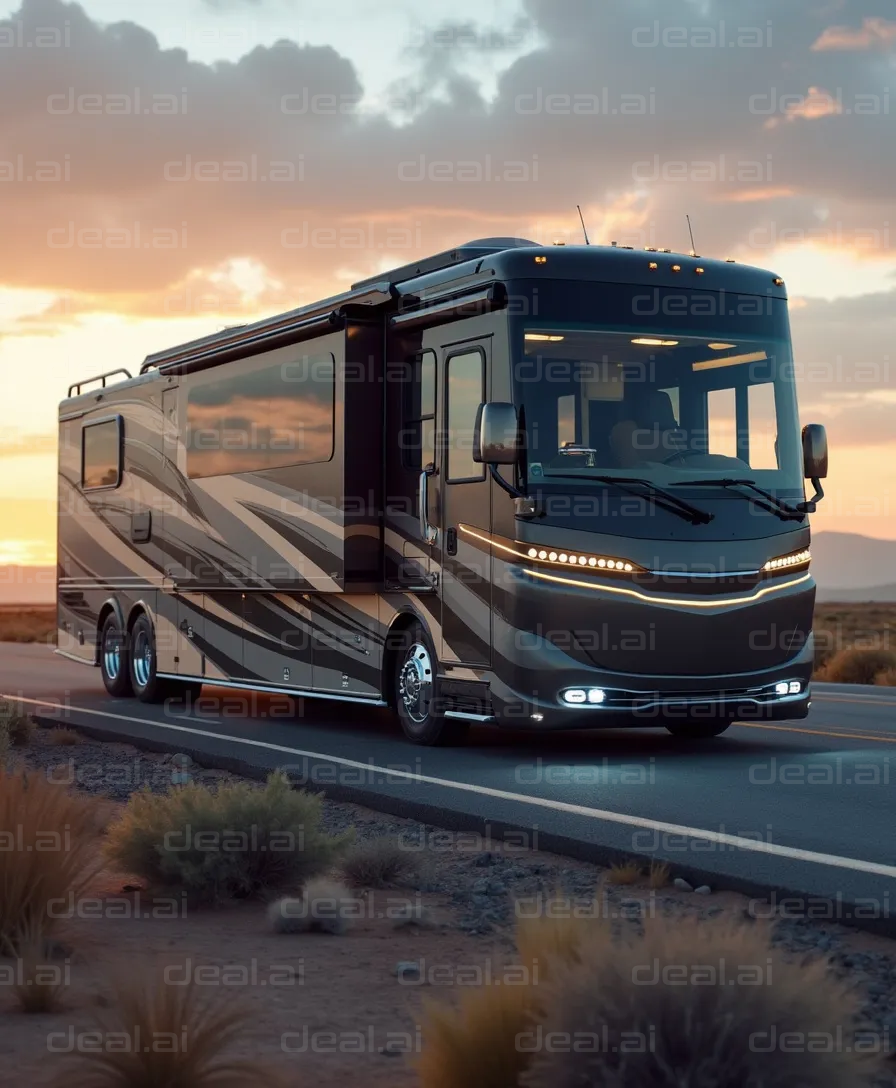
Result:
[{"x": 400, "y": 624}]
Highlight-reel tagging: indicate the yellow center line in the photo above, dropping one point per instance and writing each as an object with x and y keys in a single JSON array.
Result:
[{"x": 879, "y": 737}]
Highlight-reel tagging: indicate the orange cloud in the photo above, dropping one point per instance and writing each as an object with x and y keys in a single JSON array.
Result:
[
  {"x": 874, "y": 33},
  {"x": 817, "y": 103}
]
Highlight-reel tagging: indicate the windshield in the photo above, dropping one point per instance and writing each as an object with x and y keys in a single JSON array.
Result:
[{"x": 657, "y": 403}]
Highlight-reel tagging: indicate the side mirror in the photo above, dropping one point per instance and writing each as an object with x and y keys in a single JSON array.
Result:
[
  {"x": 496, "y": 436},
  {"x": 815, "y": 452}
]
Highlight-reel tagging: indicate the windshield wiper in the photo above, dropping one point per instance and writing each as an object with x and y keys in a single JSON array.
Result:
[
  {"x": 663, "y": 499},
  {"x": 772, "y": 504}
]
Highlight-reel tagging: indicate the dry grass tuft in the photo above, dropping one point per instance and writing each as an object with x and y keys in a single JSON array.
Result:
[
  {"x": 39, "y": 984},
  {"x": 665, "y": 1014},
  {"x": 628, "y": 873},
  {"x": 177, "y": 1036},
  {"x": 381, "y": 863},
  {"x": 886, "y": 678},
  {"x": 475, "y": 1041},
  {"x": 325, "y": 906},
  {"x": 64, "y": 737},
  {"x": 857, "y": 666},
  {"x": 659, "y": 874},
  {"x": 54, "y": 852},
  {"x": 558, "y": 932},
  {"x": 235, "y": 840}
]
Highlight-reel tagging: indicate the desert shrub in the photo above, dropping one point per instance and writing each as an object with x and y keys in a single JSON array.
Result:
[
  {"x": 64, "y": 737},
  {"x": 235, "y": 840},
  {"x": 381, "y": 863},
  {"x": 693, "y": 1026},
  {"x": 855, "y": 666},
  {"x": 50, "y": 852},
  {"x": 886, "y": 678},
  {"x": 172, "y": 1036},
  {"x": 17, "y": 726},
  {"x": 325, "y": 906}
]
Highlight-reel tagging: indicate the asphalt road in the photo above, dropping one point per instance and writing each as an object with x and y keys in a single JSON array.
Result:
[{"x": 804, "y": 810}]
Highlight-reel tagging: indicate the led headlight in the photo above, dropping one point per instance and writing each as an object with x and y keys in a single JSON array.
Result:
[
  {"x": 580, "y": 696},
  {"x": 577, "y": 559},
  {"x": 786, "y": 562}
]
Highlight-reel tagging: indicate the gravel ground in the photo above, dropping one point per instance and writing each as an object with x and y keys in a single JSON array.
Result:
[{"x": 482, "y": 880}]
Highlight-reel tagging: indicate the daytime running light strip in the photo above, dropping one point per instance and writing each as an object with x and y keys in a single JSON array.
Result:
[{"x": 592, "y": 562}]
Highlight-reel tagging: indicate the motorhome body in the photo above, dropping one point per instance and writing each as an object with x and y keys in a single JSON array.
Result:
[{"x": 313, "y": 504}]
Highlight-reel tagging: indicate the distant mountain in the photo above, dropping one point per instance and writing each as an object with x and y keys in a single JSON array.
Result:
[
  {"x": 849, "y": 567},
  {"x": 27, "y": 585}
]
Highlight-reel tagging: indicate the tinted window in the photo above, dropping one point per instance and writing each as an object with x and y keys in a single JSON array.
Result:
[
  {"x": 101, "y": 454},
  {"x": 418, "y": 434},
  {"x": 466, "y": 379},
  {"x": 255, "y": 420}
]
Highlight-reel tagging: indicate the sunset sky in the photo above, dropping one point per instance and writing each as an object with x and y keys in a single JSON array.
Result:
[{"x": 171, "y": 167}]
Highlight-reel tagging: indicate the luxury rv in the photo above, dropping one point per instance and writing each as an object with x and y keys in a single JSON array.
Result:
[{"x": 539, "y": 486}]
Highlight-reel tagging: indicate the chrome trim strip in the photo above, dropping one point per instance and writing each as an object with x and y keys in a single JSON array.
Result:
[
  {"x": 777, "y": 701},
  {"x": 71, "y": 657},
  {"x": 464, "y": 716},
  {"x": 697, "y": 574},
  {"x": 266, "y": 690}
]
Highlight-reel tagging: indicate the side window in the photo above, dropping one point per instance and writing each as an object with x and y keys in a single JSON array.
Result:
[
  {"x": 466, "y": 391},
  {"x": 101, "y": 454},
  {"x": 255, "y": 420},
  {"x": 419, "y": 431}
]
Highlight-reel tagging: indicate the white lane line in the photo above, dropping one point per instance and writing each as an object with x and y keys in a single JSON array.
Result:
[{"x": 776, "y": 850}]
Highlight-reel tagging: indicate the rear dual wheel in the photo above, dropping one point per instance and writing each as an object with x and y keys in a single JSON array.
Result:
[{"x": 128, "y": 664}]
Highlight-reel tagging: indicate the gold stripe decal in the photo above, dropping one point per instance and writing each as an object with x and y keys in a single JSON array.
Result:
[{"x": 687, "y": 602}]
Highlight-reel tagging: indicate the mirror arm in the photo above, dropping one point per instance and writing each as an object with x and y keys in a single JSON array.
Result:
[
  {"x": 502, "y": 483},
  {"x": 809, "y": 506}
]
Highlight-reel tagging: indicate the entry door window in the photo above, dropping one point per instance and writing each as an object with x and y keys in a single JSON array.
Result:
[
  {"x": 466, "y": 391},
  {"x": 418, "y": 437}
]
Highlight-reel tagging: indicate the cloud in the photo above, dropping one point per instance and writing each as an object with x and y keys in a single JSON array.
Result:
[
  {"x": 874, "y": 33},
  {"x": 129, "y": 172}
]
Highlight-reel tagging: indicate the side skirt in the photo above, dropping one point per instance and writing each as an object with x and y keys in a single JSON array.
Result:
[{"x": 272, "y": 690}]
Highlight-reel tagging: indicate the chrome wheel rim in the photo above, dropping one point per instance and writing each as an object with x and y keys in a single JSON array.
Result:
[
  {"x": 112, "y": 653},
  {"x": 415, "y": 683},
  {"x": 142, "y": 658}
]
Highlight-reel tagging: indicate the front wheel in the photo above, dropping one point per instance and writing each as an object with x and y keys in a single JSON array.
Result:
[
  {"x": 414, "y": 686},
  {"x": 697, "y": 730}
]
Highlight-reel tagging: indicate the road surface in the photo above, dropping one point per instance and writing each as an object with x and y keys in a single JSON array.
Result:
[{"x": 803, "y": 810}]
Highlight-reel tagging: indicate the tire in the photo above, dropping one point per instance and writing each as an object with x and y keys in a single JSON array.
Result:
[
  {"x": 416, "y": 670},
  {"x": 114, "y": 658},
  {"x": 142, "y": 660},
  {"x": 698, "y": 730}
]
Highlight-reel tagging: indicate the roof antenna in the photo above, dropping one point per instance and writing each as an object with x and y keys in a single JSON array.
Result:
[
  {"x": 691, "y": 232},
  {"x": 584, "y": 231}
]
